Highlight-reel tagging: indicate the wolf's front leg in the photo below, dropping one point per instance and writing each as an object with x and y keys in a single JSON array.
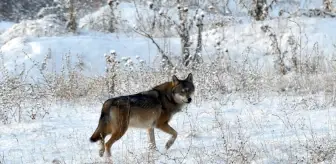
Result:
[{"x": 168, "y": 129}]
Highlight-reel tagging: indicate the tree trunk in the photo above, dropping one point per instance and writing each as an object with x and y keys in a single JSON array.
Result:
[{"x": 260, "y": 10}]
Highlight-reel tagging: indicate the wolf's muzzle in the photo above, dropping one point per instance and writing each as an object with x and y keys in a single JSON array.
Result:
[{"x": 189, "y": 100}]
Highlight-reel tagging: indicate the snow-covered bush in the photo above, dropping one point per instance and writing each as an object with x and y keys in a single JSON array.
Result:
[
  {"x": 58, "y": 10},
  {"x": 105, "y": 19},
  {"x": 49, "y": 25},
  {"x": 18, "y": 10}
]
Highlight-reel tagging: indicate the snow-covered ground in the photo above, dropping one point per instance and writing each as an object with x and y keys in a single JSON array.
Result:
[
  {"x": 247, "y": 41},
  {"x": 271, "y": 128},
  {"x": 4, "y": 26},
  {"x": 262, "y": 127},
  {"x": 91, "y": 47}
]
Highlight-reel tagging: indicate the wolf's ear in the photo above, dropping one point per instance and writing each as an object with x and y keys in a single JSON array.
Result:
[
  {"x": 175, "y": 80},
  {"x": 190, "y": 78}
]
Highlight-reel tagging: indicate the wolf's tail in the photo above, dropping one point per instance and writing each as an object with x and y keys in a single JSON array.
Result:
[
  {"x": 96, "y": 135},
  {"x": 103, "y": 121}
]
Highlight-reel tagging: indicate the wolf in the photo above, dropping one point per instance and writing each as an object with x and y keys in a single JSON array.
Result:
[{"x": 150, "y": 109}]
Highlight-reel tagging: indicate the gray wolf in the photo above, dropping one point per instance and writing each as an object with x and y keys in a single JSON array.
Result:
[{"x": 150, "y": 109}]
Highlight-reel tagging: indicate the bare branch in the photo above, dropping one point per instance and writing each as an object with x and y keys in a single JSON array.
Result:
[{"x": 163, "y": 54}]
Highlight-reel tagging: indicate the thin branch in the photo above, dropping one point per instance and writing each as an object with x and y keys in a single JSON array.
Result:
[{"x": 164, "y": 56}]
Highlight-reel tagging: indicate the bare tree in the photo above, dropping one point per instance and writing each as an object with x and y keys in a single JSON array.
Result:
[
  {"x": 113, "y": 19},
  {"x": 72, "y": 24},
  {"x": 183, "y": 28},
  {"x": 199, "y": 24},
  {"x": 162, "y": 52},
  {"x": 260, "y": 9}
]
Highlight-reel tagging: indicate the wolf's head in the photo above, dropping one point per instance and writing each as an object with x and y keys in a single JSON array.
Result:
[{"x": 183, "y": 89}]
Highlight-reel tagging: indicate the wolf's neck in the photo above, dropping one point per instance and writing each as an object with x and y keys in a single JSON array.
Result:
[{"x": 166, "y": 98}]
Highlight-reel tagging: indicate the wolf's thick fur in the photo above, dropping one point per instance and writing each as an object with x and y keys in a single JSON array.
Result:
[{"x": 150, "y": 109}]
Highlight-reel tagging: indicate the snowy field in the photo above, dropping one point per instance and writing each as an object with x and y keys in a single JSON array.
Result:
[
  {"x": 271, "y": 131},
  {"x": 243, "y": 111}
]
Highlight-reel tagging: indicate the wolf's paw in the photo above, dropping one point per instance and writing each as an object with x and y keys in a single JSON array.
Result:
[
  {"x": 108, "y": 154},
  {"x": 152, "y": 147},
  {"x": 169, "y": 144},
  {"x": 101, "y": 153}
]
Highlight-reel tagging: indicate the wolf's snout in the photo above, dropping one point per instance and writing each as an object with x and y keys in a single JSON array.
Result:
[{"x": 189, "y": 100}]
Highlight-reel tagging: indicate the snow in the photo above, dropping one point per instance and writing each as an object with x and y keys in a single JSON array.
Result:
[
  {"x": 5, "y": 25},
  {"x": 92, "y": 47},
  {"x": 271, "y": 127},
  {"x": 97, "y": 21},
  {"x": 126, "y": 12},
  {"x": 47, "y": 26},
  {"x": 248, "y": 39},
  {"x": 64, "y": 135}
]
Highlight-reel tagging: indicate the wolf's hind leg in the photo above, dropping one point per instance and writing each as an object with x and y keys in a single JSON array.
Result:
[
  {"x": 115, "y": 137},
  {"x": 118, "y": 128},
  {"x": 151, "y": 137},
  {"x": 168, "y": 129}
]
